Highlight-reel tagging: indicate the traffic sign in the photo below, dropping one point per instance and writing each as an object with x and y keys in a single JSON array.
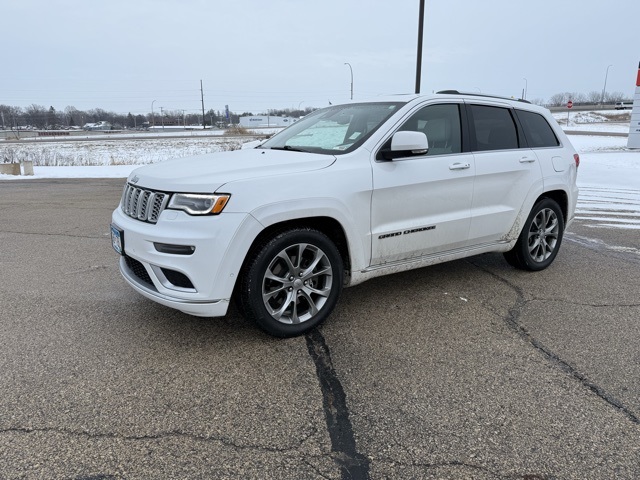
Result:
[{"x": 569, "y": 104}]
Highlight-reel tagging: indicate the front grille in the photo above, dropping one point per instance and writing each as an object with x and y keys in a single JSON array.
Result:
[
  {"x": 138, "y": 270},
  {"x": 142, "y": 204}
]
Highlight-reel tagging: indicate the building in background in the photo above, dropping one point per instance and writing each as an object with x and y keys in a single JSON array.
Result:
[{"x": 266, "y": 121}]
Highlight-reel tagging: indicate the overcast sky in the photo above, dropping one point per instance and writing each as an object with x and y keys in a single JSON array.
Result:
[{"x": 254, "y": 55}]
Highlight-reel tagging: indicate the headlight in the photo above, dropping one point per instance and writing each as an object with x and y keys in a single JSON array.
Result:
[{"x": 198, "y": 204}]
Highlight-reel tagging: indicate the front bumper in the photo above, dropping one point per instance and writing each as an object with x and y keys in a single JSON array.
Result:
[
  {"x": 198, "y": 308},
  {"x": 207, "y": 275}
]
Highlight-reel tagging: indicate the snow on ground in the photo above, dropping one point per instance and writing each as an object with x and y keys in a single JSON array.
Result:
[
  {"x": 598, "y": 121},
  {"x": 105, "y": 152},
  {"x": 609, "y": 182}
]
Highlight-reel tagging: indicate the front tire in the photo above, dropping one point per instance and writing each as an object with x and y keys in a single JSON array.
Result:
[
  {"x": 540, "y": 239},
  {"x": 291, "y": 282}
]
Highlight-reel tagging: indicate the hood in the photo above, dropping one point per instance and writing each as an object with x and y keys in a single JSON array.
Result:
[{"x": 207, "y": 173}]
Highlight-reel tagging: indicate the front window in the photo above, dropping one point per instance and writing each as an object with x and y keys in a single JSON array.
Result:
[
  {"x": 441, "y": 124},
  {"x": 333, "y": 130}
]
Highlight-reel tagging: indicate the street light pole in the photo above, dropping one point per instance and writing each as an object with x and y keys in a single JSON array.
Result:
[
  {"x": 524, "y": 92},
  {"x": 419, "y": 59},
  {"x": 351, "y": 70},
  {"x": 162, "y": 117},
  {"x": 153, "y": 118},
  {"x": 605, "y": 86}
]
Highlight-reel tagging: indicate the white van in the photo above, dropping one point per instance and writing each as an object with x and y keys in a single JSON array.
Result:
[{"x": 624, "y": 105}]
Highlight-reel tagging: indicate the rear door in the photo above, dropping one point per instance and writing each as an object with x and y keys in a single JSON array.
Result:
[{"x": 508, "y": 173}]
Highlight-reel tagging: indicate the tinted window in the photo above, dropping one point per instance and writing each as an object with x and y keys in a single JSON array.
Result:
[
  {"x": 441, "y": 125},
  {"x": 537, "y": 131},
  {"x": 494, "y": 128}
]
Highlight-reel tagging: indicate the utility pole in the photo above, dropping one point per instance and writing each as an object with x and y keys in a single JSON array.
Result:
[
  {"x": 204, "y": 124},
  {"x": 419, "y": 60},
  {"x": 162, "y": 115}
]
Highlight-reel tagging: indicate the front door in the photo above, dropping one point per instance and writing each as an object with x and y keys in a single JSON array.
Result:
[{"x": 421, "y": 205}]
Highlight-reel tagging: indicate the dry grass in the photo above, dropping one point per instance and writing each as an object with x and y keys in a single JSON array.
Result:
[
  {"x": 120, "y": 152},
  {"x": 237, "y": 130},
  {"x": 623, "y": 116}
]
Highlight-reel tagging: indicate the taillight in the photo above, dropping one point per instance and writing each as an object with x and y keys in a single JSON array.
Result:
[{"x": 576, "y": 158}]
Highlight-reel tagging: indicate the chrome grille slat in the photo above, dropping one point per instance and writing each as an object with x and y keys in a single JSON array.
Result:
[
  {"x": 149, "y": 215},
  {"x": 142, "y": 204}
]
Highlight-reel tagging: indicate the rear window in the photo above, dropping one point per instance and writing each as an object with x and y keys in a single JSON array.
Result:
[
  {"x": 537, "y": 130},
  {"x": 494, "y": 128}
]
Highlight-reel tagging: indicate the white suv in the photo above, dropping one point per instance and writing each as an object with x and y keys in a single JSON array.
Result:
[{"x": 348, "y": 193}]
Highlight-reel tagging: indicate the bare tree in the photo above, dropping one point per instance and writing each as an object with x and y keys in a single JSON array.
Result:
[
  {"x": 613, "y": 97},
  {"x": 594, "y": 97},
  {"x": 35, "y": 115},
  {"x": 577, "y": 97},
  {"x": 558, "y": 99}
]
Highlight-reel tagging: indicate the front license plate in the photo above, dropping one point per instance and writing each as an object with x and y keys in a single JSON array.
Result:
[{"x": 117, "y": 239}]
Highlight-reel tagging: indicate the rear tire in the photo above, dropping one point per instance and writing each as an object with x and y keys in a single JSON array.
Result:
[
  {"x": 291, "y": 282},
  {"x": 540, "y": 239}
]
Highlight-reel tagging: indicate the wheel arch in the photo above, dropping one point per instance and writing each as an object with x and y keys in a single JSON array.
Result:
[
  {"x": 560, "y": 197},
  {"x": 331, "y": 227}
]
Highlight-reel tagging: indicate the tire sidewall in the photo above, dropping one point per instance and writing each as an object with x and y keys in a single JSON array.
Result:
[
  {"x": 257, "y": 269},
  {"x": 523, "y": 244}
]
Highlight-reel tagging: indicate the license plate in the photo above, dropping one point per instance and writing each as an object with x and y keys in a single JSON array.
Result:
[{"x": 117, "y": 239}]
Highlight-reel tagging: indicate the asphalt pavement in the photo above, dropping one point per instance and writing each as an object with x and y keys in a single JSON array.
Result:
[{"x": 469, "y": 369}]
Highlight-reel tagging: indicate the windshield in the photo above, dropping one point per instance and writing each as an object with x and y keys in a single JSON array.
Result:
[{"x": 333, "y": 130}]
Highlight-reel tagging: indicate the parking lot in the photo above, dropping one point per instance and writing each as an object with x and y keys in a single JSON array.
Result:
[{"x": 469, "y": 369}]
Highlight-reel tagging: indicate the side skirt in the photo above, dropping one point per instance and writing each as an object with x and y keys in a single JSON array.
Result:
[{"x": 374, "y": 271}]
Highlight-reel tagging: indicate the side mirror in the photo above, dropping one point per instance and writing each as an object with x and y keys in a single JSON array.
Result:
[{"x": 407, "y": 144}]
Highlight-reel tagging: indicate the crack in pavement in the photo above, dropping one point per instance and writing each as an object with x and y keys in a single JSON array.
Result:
[
  {"x": 313, "y": 467},
  {"x": 452, "y": 463},
  {"x": 580, "y": 304},
  {"x": 160, "y": 436},
  {"x": 353, "y": 464},
  {"x": 512, "y": 321}
]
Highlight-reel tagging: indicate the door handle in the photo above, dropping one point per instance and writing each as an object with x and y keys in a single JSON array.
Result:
[
  {"x": 459, "y": 166},
  {"x": 527, "y": 160}
]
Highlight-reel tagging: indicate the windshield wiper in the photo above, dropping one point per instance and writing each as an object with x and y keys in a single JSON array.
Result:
[{"x": 290, "y": 149}]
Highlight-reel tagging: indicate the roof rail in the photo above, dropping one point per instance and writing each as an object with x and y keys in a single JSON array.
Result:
[{"x": 475, "y": 94}]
